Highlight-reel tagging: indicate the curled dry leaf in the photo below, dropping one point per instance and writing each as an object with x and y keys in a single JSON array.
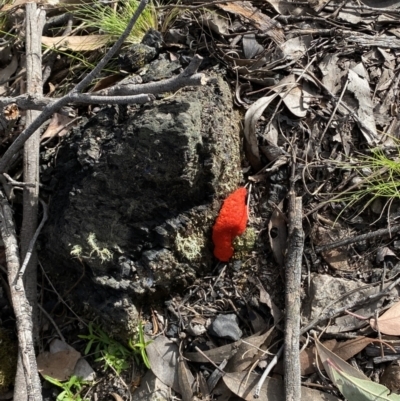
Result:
[
  {"x": 251, "y": 118},
  {"x": 59, "y": 126},
  {"x": 277, "y": 232},
  {"x": 291, "y": 95},
  {"x": 359, "y": 87},
  {"x": 11, "y": 112},
  {"x": 389, "y": 322},
  {"x": 186, "y": 380}
]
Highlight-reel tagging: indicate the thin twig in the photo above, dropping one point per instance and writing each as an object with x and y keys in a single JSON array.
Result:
[
  {"x": 33, "y": 240},
  {"x": 267, "y": 370},
  {"x": 358, "y": 238},
  {"x": 62, "y": 338}
]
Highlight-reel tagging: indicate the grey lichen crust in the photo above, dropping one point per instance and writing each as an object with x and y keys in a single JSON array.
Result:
[{"x": 138, "y": 208}]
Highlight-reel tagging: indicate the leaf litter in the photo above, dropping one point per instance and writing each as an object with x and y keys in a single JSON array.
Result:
[{"x": 324, "y": 90}]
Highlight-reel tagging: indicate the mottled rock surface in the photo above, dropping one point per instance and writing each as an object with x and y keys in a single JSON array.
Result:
[{"x": 138, "y": 189}]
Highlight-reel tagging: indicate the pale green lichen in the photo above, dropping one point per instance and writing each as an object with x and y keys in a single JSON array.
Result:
[
  {"x": 244, "y": 243},
  {"x": 102, "y": 253},
  {"x": 190, "y": 247},
  {"x": 8, "y": 361}
]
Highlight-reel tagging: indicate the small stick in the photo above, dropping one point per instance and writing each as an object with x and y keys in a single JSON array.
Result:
[
  {"x": 32, "y": 243},
  {"x": 358, "y": 238},
  {"x": 292, "y": 299},
  {"x": 268, "y": 369}
]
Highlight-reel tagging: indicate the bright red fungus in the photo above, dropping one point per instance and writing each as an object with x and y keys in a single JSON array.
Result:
[{"x": 230, "y": 223}]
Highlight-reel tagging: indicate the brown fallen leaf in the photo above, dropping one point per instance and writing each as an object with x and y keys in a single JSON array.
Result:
[
  {"x": 163, "y": 357},
  {"x": 345, "y": 350},
  {"x": 244, "y": 384},
  {"x": 186, "y": 380},
  {"x": 248, "y": 351},
  {"x": 59, "y": 126},
  {"x": 348, "y": 349},
  {"x": 77, "y": 43},
  {"x": 217, "y": 355},
  {"x": 258, "y": 19},
  {"x": 389, "y": 322}
]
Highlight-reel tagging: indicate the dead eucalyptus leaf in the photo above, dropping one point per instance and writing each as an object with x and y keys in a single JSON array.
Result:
[
  {"x": 250, "y": 46},
  {"x": 354, "y": 388},
  {"x": 57, "y": 126},
  {"x": 389, "y": 322},
  {"x": 251, "y": 118},
  {"x": 291, "y": 94},
  {"x": 186, "y": 380},
  {"x": 326, "y": 355},
  {"x": 244, "y": 384},
  {"x": 249, "y": 351},
  {"x": 77, "y": 43},
  {"x": 265, "y": 298},
  {"x": 348, "y": 349},
  {"x": 257, "y": 18},
  {"x": 217, "y": 355},
  {"x": 345, "y": 350},
  {"x": 163, "y": 357},
  {"x": 359, "y": 87}
]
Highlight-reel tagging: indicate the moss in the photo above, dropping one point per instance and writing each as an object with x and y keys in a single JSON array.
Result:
[
  {"x": 244, "y": 243},
  {"x": 8, "y": 360}
]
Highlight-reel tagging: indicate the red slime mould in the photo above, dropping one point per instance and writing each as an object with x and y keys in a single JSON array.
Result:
[{"x": 230, "y": 223}]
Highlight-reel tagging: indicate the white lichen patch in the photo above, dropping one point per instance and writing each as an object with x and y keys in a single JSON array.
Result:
[
  {"x": 103, "y": 254},
  {"x": 76, "y": 251},
  {"x": 190, "y": 247}
]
